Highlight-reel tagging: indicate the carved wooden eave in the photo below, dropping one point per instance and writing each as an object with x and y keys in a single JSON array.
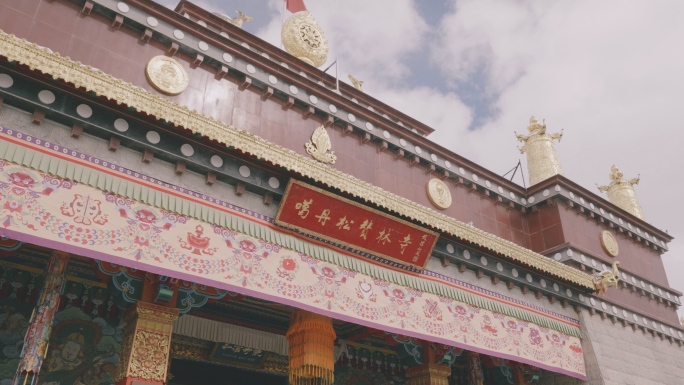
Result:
[{"x": 92, "y": 80}]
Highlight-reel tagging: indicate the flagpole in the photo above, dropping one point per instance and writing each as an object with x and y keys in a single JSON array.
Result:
[
  {"x": 335, "y": 63},
  {"x": 282, "y": 22}
]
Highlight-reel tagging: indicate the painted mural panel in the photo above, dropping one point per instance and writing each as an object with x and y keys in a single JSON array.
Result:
[
  {"x": 86, "y": 336},
  {"x": 18, "y": 291}
]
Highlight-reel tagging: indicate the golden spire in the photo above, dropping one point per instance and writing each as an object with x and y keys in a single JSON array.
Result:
[
  {"x": 303, "y": 38},
  {"x": 542, "y": 160},
  {"x": 621, "y": 193}
]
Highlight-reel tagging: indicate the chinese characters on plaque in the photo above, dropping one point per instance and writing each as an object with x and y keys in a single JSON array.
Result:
[{"x": 310, "y": 210}]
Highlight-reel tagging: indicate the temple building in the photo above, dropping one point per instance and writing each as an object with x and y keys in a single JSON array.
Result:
[{"x": 184, "y": 203}]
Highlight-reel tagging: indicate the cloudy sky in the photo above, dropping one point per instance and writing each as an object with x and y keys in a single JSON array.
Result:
[{"x": 610, "y": 73}]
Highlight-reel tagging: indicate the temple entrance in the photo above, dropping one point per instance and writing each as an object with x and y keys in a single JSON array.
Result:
[
  {"x": 219, "y": 337},
  {"x": 186, "y": 372}
]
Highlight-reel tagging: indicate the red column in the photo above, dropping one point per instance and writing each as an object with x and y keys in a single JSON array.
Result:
[{"x": 38, "y": 334}]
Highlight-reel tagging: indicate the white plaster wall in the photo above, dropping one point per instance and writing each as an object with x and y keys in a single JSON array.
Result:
[{"x": 617, "y": 355}]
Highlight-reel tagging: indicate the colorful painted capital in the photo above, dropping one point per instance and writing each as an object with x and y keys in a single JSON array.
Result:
[{"x": 313, "y": 211}]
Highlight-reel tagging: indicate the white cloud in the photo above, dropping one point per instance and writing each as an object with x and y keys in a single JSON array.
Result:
[
  {"x": 371, "y": 38},
  {"x": 610, "y": 73},
  {"x": 372, "y": 41},
  {"x": 432, "y": 107}
]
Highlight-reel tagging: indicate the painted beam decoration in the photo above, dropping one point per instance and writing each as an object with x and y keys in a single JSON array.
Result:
[
  {"x": 313, "y": 211},
  {"x": 68, "y": 215}
]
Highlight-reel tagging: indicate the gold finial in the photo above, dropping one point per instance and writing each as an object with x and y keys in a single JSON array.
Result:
[
  {"x": 542, "y": 160},
  {"x": 303, "y": 38},
  {"x": 535, "y": 126},
  {"x": 621, "y": 192},
  {"x": 358, "y": 84},
  {"x": 606, "y": 279},
  {"x": 319, "y": 145},
  {"x": 237, "y": 21}
]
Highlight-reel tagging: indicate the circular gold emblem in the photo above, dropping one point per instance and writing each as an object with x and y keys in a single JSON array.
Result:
[
  {"x": 439, "y": 193},
  {"x": 166, "y": 75},
  {"x": 303, "y": 38},
  {"x": 609, "y": 243}
]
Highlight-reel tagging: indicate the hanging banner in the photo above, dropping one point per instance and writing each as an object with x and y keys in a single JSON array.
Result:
[{"x": 313, "y": 211}]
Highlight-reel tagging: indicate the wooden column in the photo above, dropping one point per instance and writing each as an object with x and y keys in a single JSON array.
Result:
[
  {"x": 518, "y": 376},
  {"x": 475, "y": 375},
  {"x": 428, "y": 374},
  {"x": 38, "y": 334},
  {"x": 145, "y": 349}
]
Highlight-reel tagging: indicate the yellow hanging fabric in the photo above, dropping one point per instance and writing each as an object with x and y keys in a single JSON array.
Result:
[{"x": 312, "y": 349}]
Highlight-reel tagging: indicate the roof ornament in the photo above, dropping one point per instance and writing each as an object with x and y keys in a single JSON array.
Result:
[
  {"x": 358, "y": 84},
  {"x": 621, "y": 192},
  {"x": 303, "y": 38},
  {"x": 319, "y": 145},
  {"x": 606, "y": 278},
  {"x": 542, "y": 160},
  {"x": 236, "y": 21}
]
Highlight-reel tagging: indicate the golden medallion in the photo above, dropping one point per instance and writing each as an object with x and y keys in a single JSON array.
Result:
[
  {"x": 303, "y": 38},
  {"x": 439, "y": 193},
  {"x": 166, "y": 75},
  {"x": 609, "y": 243}
]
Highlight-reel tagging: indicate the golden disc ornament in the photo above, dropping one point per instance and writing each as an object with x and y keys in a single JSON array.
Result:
[
  {"x": 609, "y": 243},
  {"x": 166, "y": 75},
  {"x": 303, "y": 38},
  {"x": 438, "y": 193}
]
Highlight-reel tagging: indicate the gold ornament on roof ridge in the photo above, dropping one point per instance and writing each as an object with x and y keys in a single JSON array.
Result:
[
  {"x": 105, "y": 85},
  {"x": 319, "y": 145},
  {"x": 358, "y": 84},
  {"x": 303, "y": 38},
  {"x": 236, "y": 21},
  {"x": 606, "y": 279},
  {"x": 621, "y": 192},
  {"x": 542, "y": 160}
]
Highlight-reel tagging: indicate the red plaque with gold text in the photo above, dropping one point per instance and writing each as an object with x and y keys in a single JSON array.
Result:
[{"x": 311, "y": 210}]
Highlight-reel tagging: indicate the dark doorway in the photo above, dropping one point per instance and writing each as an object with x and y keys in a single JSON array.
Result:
[{"x": 187, "y": 372}]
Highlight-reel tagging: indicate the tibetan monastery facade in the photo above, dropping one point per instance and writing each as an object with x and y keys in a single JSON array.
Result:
[{"x": 182, "y": 202}]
